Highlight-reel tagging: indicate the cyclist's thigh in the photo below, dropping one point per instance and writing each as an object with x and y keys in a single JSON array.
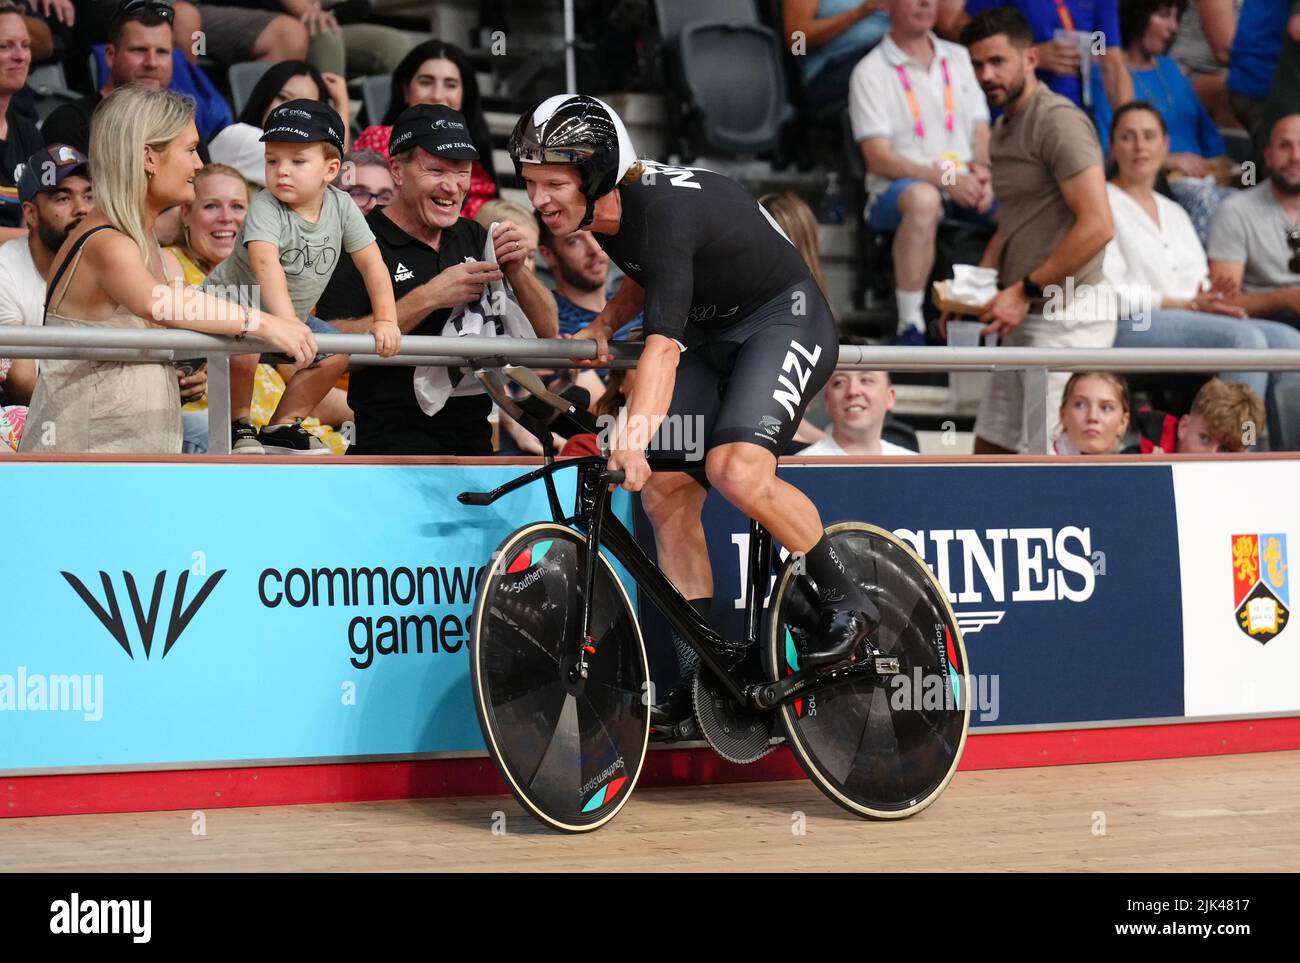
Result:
[
  {"x": 682, "y": 436},
  {"x": 779, "y": 370}
]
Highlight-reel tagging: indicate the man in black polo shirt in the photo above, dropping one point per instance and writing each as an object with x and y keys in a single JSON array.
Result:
[{"x": 433, "y": 255}]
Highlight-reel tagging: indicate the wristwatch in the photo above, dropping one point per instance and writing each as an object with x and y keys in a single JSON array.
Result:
[{"x": 1033, "y": 290}]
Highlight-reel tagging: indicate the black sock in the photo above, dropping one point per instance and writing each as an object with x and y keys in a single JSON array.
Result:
[
  {"x": 835, "y": 587},
  {"x": 687, "y": 658}
]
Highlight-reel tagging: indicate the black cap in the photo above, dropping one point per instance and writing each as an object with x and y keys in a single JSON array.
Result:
[
  {"x": 438, "y": 129},
  {"x": 304, "y": 122},
  {"x": 47, "y": 168}
]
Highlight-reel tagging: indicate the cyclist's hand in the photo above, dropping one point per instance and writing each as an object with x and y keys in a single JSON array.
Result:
[
  {"x": 594, "y": 332},
  {"x": 388, "y": 338},
  {"x": 635, "y": 468}
]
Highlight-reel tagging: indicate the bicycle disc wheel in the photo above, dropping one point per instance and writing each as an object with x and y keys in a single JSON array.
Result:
[
  {"x": 883, "y": 747},
  {"x": 570, "y": 751}
]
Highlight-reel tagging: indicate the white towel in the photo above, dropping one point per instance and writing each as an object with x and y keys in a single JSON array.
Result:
[{"x": 494, "y": 315}]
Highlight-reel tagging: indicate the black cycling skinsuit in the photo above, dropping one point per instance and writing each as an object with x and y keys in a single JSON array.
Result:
[{"x": 722, "y": 280}]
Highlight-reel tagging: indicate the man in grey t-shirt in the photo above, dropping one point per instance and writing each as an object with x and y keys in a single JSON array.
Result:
[{"x": 1254, "y": 245}]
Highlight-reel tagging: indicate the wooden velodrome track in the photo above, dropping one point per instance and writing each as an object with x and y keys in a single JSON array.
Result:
[{"x": 1231, "y": 813}]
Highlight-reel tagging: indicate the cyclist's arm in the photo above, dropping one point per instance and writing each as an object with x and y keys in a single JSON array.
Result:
[
  {"x": 656, "y": 373},
  {"x": 265, "y": 260}
]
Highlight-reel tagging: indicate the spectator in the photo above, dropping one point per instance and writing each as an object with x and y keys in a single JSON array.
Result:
[
  {"x": 52, "y": 207},
  {"x": 923, "y": 126},
  {"x": 439, "y": 73},
  {"x": 240, "y": 144},
  {"x": 799, "y": 224},
  {"x": 1284, "y": 94},
  {"x": 19, "y": 138},
  {"x": 1255, "y": 50},
  {"x": 432, "y": 254},
  {"x": 1158, "y": 268},
  {"x": 367, "y": 179},
  {"x": 112, "y": 274},
  {"x": 1058, "y": 58},
  {"x": 209, "y": 227},
  {"x": 139, "y": 51},
  {"x": 1202, "y": 49},
  {"x": 580, "y": 268},
  {"x": 1196, "y": 147},
  {"x": 1094, "y": 414},
  {"x": 289, "y": 246},
  {"x": 1053, "y": 223},
  {"x": 47, "y": 21},
  {"x": 1223, "y": 417},
  {"x": 836, "y": 35},
  {"x": 255, "y": 30},
  {"x": 499, "y": 210},
  {"x": 857, "y": 402},
  {"x": 1254, "y": 245}
]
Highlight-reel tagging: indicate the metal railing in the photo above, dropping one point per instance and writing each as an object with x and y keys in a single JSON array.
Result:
[{"x": 159, "y": 344}]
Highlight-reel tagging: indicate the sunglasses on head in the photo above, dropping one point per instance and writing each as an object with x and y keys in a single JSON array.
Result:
[
  {"x": 1293, "y": 241},
  {"x": 63, "y": 155},
  {"x": 159, "y": 7}
]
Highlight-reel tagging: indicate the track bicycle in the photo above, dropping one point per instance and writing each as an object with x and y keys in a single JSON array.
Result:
[{"x": 561, "y": 679}]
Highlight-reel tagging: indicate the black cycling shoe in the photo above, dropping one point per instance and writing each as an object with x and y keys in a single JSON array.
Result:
[
  {"x": 677, "y": 706},
  {"x": 842, "y": 630}
]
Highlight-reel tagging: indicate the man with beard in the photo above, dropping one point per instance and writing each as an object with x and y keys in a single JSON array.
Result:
[
  {"x": 580, "y": 267},
  {"x": 1053, "y": 226},
  {"x": 1254, "y": 244},
  {"x": 54, "y": 189}
]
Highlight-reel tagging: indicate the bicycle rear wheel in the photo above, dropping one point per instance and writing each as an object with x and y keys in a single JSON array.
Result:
[
  {"x": 570, "y": 751},
  {"x": 883, "y": 747}
]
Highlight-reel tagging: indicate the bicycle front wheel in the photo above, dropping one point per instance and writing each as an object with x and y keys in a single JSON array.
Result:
[
  {"x": 883, "y": 747},
  {"x": 570, "y": 750}
]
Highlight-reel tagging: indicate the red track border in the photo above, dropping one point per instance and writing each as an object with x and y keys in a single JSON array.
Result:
[{"x": 192, "y": 789}]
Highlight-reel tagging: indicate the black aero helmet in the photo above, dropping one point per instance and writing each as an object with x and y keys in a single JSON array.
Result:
[{"x": 579, "y": 130}]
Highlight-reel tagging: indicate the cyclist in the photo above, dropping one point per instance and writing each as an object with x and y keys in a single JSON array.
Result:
[{"x": 737, "y": 336}]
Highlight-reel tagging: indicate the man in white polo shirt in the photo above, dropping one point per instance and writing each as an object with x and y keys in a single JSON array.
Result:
[
  {"x": 857, "y": 402},
  {"x": 923, "y": 125}
]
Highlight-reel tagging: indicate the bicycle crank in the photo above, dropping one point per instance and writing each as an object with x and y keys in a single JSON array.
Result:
[{"x": 736, "y": 732}]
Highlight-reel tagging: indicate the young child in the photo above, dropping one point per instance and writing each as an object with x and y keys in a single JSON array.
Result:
[
  {"x": 1225, "y": 416},
  {"x": 293, "y": 237},
  {"x": 1094, "y": 414}
]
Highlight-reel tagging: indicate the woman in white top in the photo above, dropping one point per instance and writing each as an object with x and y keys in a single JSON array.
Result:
[
  {"x": 1157, "y": 267},
  {"x": 110, "y": 272}
]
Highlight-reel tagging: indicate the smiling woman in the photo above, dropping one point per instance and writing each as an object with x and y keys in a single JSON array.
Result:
[
  {"x": 111, "y": 272},
  {"x": 18, "y": 138}
]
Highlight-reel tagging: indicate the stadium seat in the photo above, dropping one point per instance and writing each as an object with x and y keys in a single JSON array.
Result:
[
  {"x": 50, "y": 85},
  {"x": 729, "y": 72},
  {"x": 1284, "y": 426},
  {"x": 375, "y": 94},
  {"x": 243, "y": 77}
]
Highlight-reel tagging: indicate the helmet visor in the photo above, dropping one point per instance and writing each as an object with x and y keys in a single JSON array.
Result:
[{"x": 536, "y": 154}]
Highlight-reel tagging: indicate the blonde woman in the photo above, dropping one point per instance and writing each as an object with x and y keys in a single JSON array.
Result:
[
  {"x": 110, "y": 272},
  {"x": 800, "y": 226}
]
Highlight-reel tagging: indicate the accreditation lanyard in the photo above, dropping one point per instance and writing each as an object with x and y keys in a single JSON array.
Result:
[
  {"x": 1067, "y": 18},
  {"x": 915, "y": 105}
]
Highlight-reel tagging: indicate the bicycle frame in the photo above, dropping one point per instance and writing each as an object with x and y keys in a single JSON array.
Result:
[{"x": 591, "y": 517}]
